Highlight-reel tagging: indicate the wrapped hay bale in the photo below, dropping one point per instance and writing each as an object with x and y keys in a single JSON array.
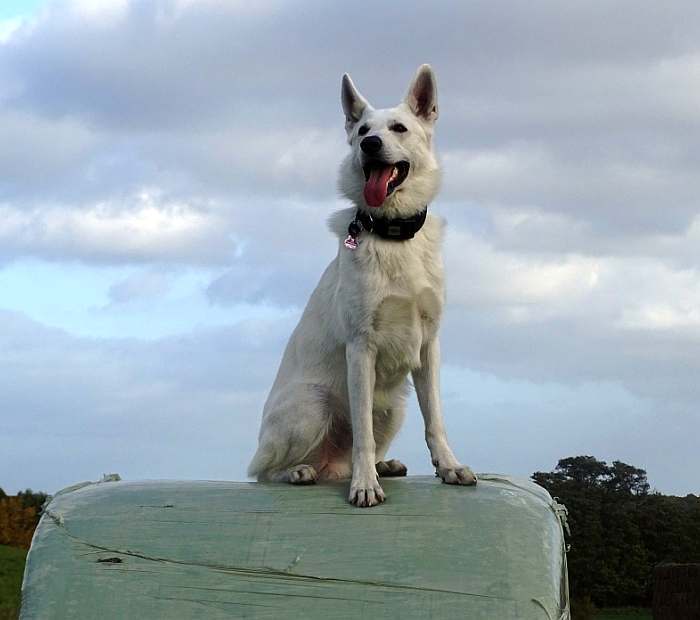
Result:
[{"x": 248, "y": 550}]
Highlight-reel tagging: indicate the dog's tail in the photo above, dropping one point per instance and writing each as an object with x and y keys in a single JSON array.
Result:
[{"x": 262, "y": 461}]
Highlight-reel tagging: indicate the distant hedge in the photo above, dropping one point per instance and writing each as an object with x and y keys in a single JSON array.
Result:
[
  {"x": 619, "y": 529},
  {"x": 19, "y": 515}
]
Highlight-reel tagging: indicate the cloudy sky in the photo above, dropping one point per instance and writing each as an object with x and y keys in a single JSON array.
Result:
[{"x": 167, "y": 167}]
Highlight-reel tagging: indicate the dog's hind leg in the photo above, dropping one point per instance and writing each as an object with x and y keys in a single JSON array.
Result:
[
  {"x": 299, "y": 474},
  {"x": 335, "y": 454},
  {"x": 391, "y": 468},
  {"x": 293, "y": 429}
]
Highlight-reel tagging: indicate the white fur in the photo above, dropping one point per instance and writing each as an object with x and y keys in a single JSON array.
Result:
[{"x": 339, "y": 396}]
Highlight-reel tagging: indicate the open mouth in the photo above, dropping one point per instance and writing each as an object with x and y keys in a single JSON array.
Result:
[{"x": 381, "y": 179}]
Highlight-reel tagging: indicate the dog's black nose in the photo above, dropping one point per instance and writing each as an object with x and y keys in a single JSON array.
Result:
[{"x": 371, "y": 144}]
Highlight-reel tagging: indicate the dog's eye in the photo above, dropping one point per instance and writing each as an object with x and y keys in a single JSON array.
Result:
[
  {"x": 398, "y": 128},
  {"x": 363, "y": 130}
]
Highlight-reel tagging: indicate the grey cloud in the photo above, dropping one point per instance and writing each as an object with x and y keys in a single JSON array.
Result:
[
  {"x": 130, "y": 406},
  {"x": 157, "y": 64},
  {"x": 139, "y": 286},
  {"x": 536, "y": 232},
  {"x": 288, "y": 248},
  {"x": 36, "y": 148},
  {"x": 281, "y": 286},
  {"x": 657, "y": 365},
  {"x": 140, "y": 228},
  {"x": 189, "y": 103}
]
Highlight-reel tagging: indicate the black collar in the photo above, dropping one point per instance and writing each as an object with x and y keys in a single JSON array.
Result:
[{"x": 396, "y": 229}]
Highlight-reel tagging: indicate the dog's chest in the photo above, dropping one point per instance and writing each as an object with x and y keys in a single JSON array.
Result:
[
  {"x": 402, "y": 291},
  {"x": 400, "y": 326}
]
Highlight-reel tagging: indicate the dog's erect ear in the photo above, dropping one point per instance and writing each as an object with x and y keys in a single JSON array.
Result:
[
  {"x": 422, "y": 94},
  {"x": 354, "y": 104}
]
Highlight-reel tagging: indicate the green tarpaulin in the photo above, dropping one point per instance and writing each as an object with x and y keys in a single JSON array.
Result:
[{"x": 249, "y": 550}]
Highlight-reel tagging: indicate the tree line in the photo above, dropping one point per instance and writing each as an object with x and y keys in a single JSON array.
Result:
[
  {"x": 19, "y": 516},
  {"x": 620, "y": 529}
]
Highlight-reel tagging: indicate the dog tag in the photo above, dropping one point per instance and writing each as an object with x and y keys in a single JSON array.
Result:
[{"x": 354, "y": 231}]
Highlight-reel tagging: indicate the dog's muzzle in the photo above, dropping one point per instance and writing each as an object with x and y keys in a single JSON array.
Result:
[{"x": 382, "y": 178}]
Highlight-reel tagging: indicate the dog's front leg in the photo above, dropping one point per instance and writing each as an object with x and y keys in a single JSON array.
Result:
[
  {"x": 427, "y": 382},
  {"x": 364, "y": 487}
]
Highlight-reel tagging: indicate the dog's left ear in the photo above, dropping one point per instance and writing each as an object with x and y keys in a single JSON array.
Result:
[{"x": 422, "y": 94}]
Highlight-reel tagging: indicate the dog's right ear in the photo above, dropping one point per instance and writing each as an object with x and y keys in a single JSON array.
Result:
[{"x": 354, "y": 104}]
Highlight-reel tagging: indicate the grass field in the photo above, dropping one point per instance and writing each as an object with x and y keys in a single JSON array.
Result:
[
  {"x": 11, "y": 569},
  {"x": 626, "y": 613}
]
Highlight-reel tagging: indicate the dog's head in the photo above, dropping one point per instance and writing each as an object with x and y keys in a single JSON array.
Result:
[{"x": 392, "y": 169}]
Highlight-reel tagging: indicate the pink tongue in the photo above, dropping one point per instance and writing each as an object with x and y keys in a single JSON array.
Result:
[{"x": 377, "y": 185}]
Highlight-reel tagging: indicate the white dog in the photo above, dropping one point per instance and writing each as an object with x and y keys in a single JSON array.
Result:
[{"x": 339, "y": 396}]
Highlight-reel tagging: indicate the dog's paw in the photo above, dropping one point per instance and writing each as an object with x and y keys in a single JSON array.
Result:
[
  {"x": 394, "y": 467},
  {"x": 459, "y": 474},
  {"x": 302, "y": 474},
  {"x": 366, "y": 494}
]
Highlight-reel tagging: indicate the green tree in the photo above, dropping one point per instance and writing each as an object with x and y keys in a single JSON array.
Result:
[
  {"x": 619, "y": 530},
  {"x": 623, "y": 478},
  {"x": 32, "y": 499},
  {"x": 585, "y": 470}
]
